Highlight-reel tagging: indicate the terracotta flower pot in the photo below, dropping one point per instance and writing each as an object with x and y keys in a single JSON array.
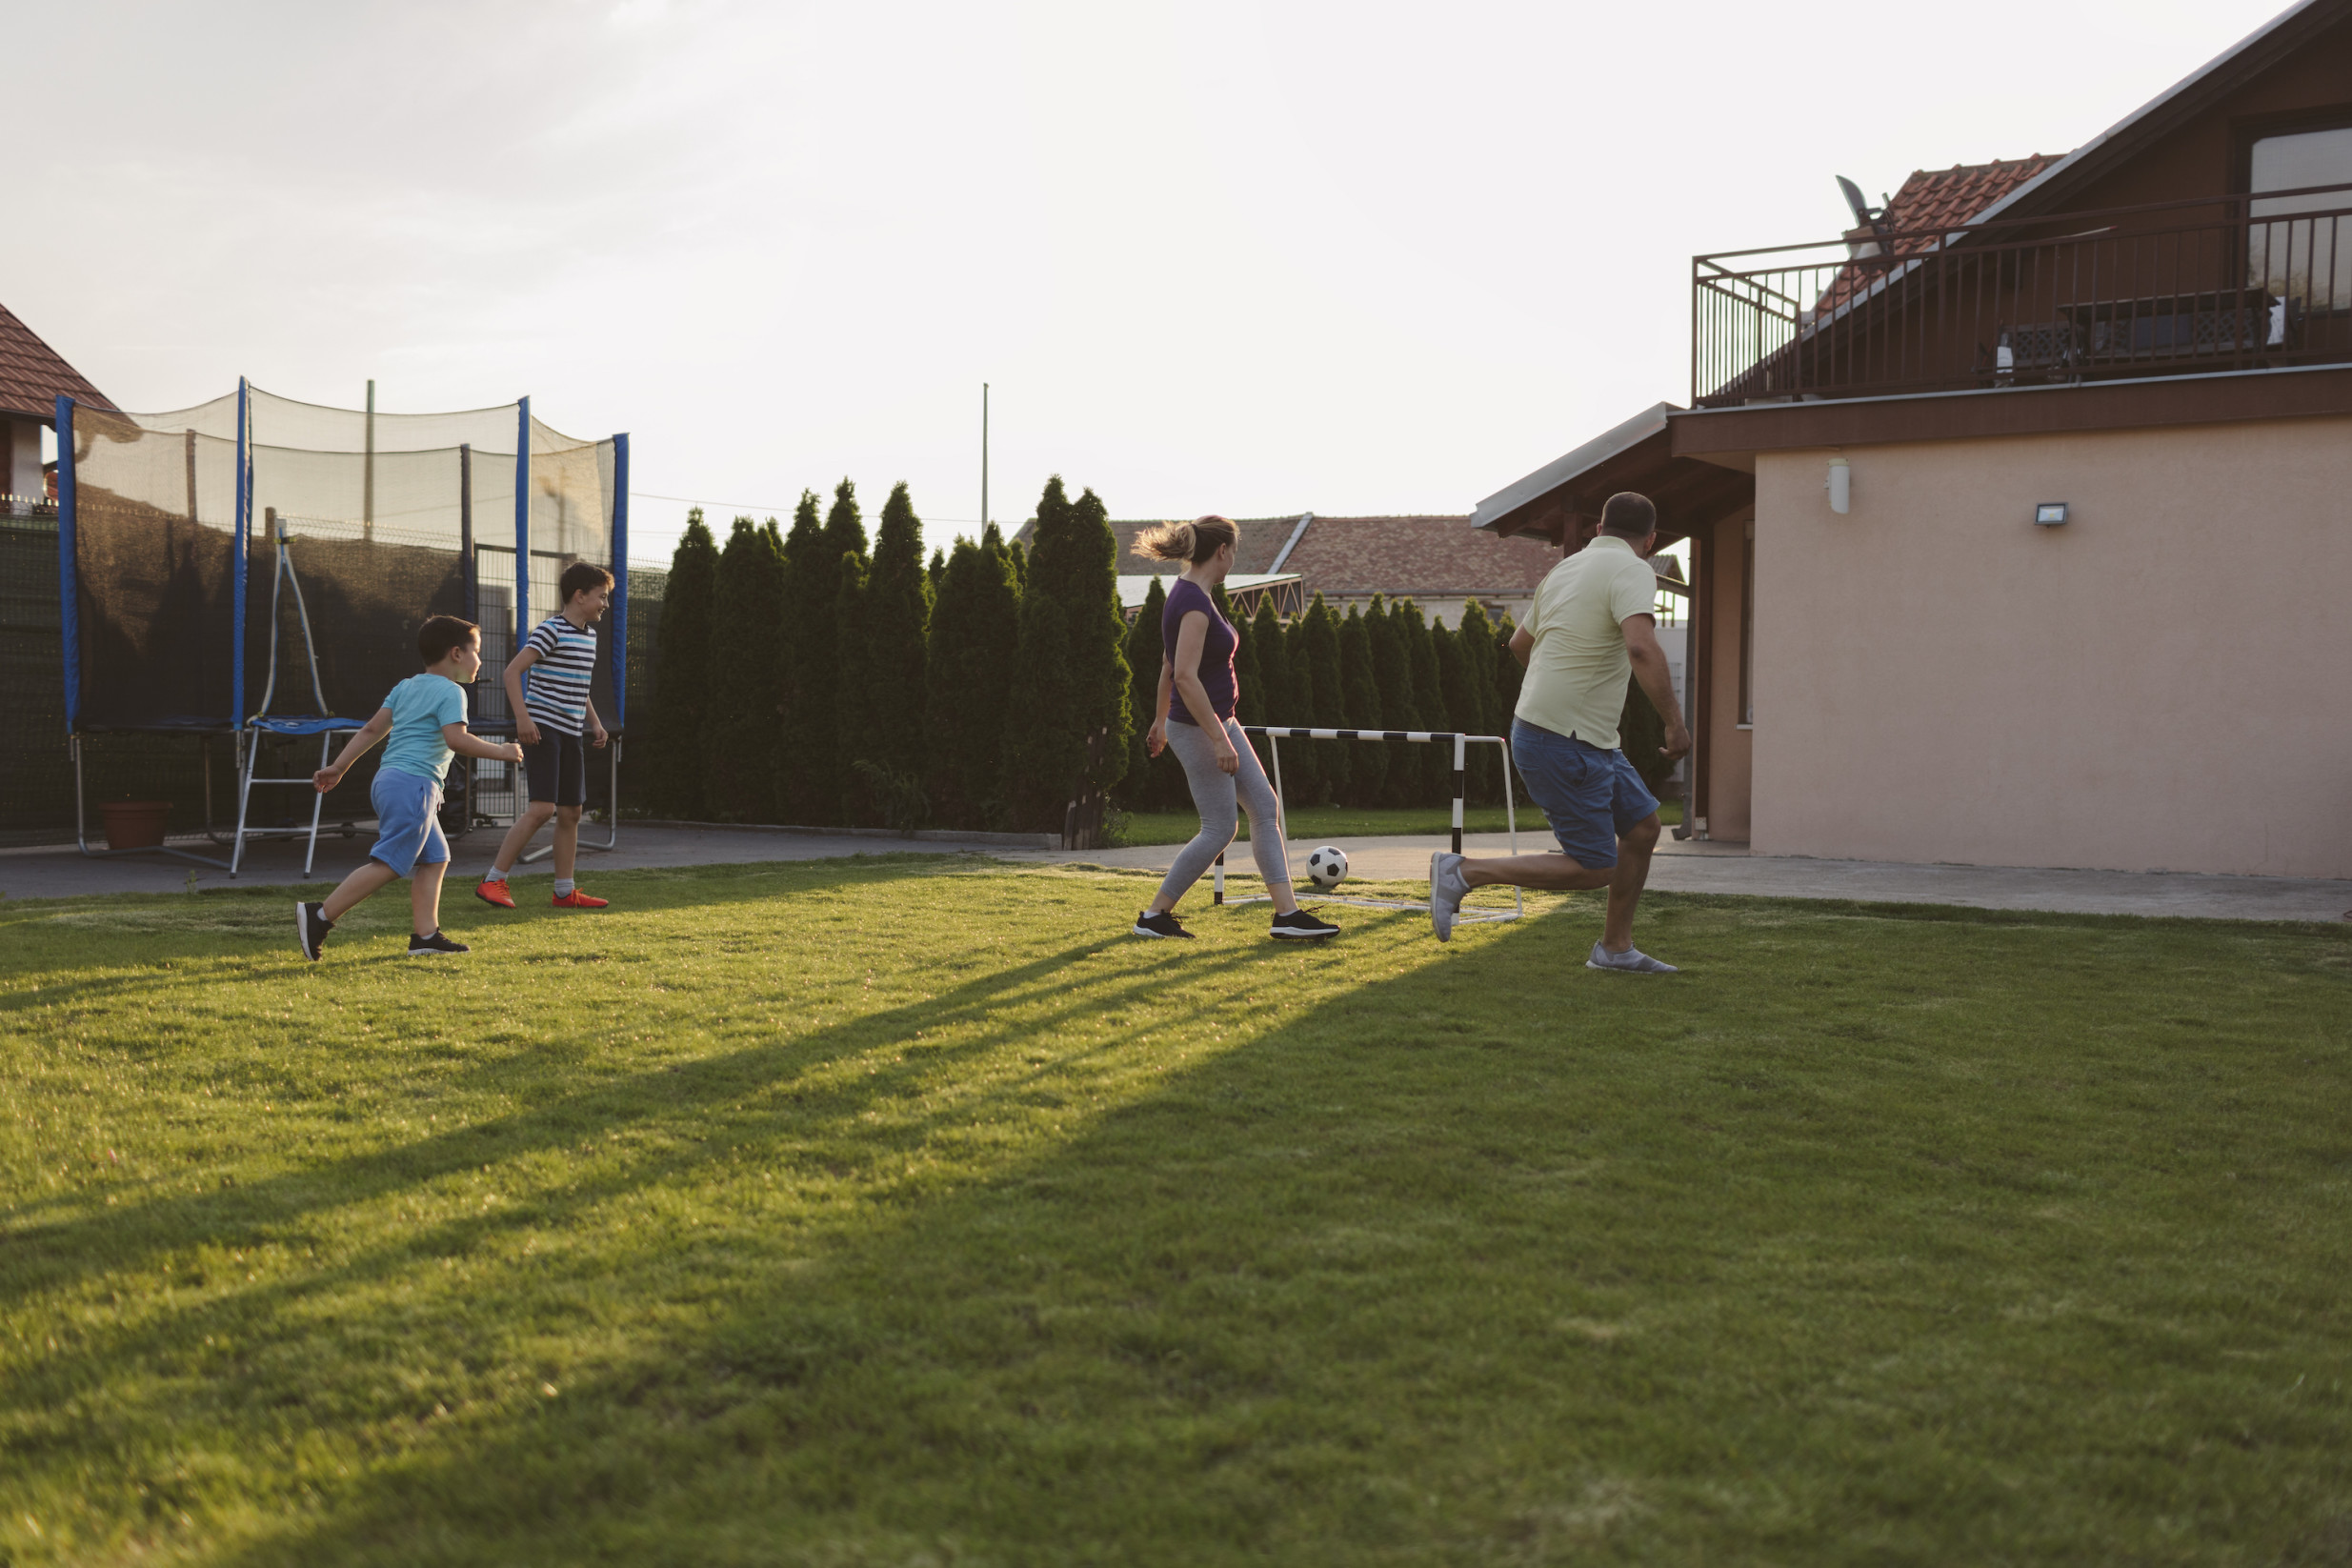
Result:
[{"x": 134, "y": 824}]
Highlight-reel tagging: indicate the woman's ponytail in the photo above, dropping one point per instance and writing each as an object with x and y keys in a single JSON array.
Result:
[{"x": 1191, "y": 542}]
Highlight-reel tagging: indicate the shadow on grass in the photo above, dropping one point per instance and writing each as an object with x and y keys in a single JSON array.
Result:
[{"x": 1494, "y": 1263}]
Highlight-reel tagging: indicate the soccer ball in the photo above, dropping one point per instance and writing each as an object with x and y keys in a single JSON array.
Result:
[{"x": 1327, "y": 867}]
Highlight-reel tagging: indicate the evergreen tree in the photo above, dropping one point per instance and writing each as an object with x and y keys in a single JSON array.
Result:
[
  {"x": 1327, "y": 700},
  {"x": 1140, "y": 791},
  {"x": 1066, "y": 735},
  {"x": 746, "y": 699},
  {"x": 1437, "y": 761},
  {"x": 845, "y": 526},
  {"x": 1507, "y": 678},
  {"x": 1474, "y": 640},
  {"x": 936, "y": 570},
  {"x": 1359, "y": 687},
  {"x": 1248, "y": 684},
  {"x": 854, "y": 656},
  {"x": 1456, "y": 703},
  {"x": 897, "y": 616},
  {"x": 681, "y": 705},
  {"x": 808, "y": 787},
  {"x": 1400, "y": 709},
  {"x": 975, "y": 642}
]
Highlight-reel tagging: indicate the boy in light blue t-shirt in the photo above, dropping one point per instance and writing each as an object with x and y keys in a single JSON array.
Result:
[{"x": 426, "y": 718}]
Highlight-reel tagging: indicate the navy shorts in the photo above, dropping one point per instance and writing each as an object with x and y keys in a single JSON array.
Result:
[
  {"x": 556, "y": 767},
  {"x": 408, "y": 823},
  {"x": 1590, "y": 797}
]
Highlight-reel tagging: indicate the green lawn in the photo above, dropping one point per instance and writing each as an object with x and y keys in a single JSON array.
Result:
[
  {"x": 1312, "y": 825},
  {"x": 901, "y": 1211}
]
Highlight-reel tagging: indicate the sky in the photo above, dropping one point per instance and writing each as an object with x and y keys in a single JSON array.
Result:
[{"x": 1257, "y": 259}]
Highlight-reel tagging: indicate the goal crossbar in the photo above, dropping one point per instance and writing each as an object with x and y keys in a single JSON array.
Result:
[{"x": 1276, "y": 734}]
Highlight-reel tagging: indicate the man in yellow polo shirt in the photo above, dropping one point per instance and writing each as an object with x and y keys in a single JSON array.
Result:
[{"x": 1589, "y": 629}]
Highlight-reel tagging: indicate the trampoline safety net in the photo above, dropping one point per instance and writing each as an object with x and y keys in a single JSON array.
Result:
[{"x": 387, "y": 519}]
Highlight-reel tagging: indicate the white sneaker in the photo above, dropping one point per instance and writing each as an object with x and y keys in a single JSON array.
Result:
[
  {"x": 1447, "y": 889},
  {"x": 1632, "y": 962}
]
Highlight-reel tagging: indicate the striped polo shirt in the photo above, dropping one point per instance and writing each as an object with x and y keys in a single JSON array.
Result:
[{"x": 555, "y": 689}]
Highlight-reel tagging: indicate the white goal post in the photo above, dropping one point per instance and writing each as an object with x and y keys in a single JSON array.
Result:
[{"x": 1275, "y": 735}]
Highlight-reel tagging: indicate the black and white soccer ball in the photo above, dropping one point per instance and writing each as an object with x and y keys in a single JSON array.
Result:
[{"x": 1327, "y": 867}]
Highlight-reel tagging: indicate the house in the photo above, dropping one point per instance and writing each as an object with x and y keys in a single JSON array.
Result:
[
  {"x": 1438, "y": 562},
  {"x": 2022, "y": 513},
  {"x": 32, "y": 376}
]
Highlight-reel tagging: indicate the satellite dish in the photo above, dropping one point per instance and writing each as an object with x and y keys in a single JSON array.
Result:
[{"x": 1864, "y": 213}]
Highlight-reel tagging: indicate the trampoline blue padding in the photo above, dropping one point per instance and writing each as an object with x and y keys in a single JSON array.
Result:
[{"x": 305, "y": 724}]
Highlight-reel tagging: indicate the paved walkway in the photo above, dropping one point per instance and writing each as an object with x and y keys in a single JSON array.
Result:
[{"x": 1679, "y": 866}]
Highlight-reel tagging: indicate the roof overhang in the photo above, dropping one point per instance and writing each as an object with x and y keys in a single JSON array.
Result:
[
  {"x": 1732, "y": 437},
  {"x": 1563, "y": 498}
]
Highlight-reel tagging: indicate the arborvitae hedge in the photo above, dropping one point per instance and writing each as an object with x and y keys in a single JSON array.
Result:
[
  {"x": 1327, "y": 698},
  {"x": 740, "y": 746},
  {"x": 1070, "y": 682},
  {"x": 897, "y": 618},
  {"x": 1641, "y": 735},
  {"x": 1144, "y": 788},
  {"x": 1248, "y": 688},
  {"x": 681, "y": 695},
  {"x": 1400, "y": 709},
  {"x": 1473, "y": 666},
  {"x": 975, "y": 638},
  {"x": 1435, "y": 762},
  {"x": 1507, "y": 678},
  {"x": 1277, "y": 677},
  {"x": 854, "y": 654},
  {"x": 808, "y": 783},
  {"x": 1360, "y": 688}
]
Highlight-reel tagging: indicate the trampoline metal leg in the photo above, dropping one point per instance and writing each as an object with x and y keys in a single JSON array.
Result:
[
  {"x": 249, "y": 749},
  {"x": 319, "y": 807}
]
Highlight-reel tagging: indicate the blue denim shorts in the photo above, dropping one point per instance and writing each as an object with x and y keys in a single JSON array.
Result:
[
  {"x": 408, "y": 821},
  {"x": 1590, "y": 797}
]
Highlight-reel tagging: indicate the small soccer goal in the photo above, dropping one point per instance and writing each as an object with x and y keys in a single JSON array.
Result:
[{"x": 1275, "y": 735}]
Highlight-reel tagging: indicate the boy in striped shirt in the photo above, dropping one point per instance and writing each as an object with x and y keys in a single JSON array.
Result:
[{"x": 553, "y": 719}]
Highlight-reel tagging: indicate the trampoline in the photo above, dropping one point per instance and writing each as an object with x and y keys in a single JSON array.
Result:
[{"x": 254, "y": 569}]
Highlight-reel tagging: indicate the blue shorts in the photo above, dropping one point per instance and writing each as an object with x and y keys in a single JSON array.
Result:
[
  {"x": 1590, "y": 797},
  {"x": 407, "y": 808}
]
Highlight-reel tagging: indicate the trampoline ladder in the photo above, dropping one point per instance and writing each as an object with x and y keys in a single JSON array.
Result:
[{"x": 249, "y": 738}]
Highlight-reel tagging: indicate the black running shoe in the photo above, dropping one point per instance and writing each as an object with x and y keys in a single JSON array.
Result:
[
  {"x": 1148, "y": 924},
  {"x": 425, "y": 947},
  {"x": 1299, "y": 924},
  {"x": 310, "y": 928}
]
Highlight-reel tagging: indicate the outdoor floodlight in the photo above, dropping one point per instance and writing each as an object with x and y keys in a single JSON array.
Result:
[{"x": 2050, "y": 513}]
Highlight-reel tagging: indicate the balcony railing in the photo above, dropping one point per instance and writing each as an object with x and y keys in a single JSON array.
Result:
[{"x": 2174, "y": 288}]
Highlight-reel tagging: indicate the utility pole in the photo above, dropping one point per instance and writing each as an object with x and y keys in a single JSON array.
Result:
[
  {"x": 983, "y": 457},
  {"x": 367, "y": 475}
]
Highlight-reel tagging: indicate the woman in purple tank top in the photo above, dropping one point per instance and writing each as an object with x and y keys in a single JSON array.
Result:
[{"x": 1195, "y": 716}]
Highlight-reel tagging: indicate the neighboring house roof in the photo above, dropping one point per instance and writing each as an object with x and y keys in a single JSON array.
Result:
[
  {"x": 1417, "y": 557},
  {"x": 34, "y": 375},
  {"x": 1354, "y": 557}
]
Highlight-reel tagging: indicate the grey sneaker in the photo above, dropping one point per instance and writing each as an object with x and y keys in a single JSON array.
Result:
[
  {"x": 1447, "y": 889},
  {"x": 1632, "y": 962}
]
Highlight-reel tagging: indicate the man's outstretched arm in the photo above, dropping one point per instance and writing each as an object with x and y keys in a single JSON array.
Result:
[{"x": 1657, "y": 679}]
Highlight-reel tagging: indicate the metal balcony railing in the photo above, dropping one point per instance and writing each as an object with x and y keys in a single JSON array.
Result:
[{"x": 2171, "y": 289}]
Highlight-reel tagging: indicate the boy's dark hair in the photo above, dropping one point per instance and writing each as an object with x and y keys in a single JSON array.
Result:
[
  {"x": 580, "y": 578},
  {"x": 441, "y": 633},
  {"x": 1629, "y": 516}
]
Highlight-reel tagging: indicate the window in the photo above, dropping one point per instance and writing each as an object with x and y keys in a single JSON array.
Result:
[{"x": 2302, "y": 259}]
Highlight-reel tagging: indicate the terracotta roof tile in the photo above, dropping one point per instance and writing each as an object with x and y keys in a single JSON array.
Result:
[
  {"x": 1932, "y": 201},
  {"x": 33, "y": 375},
  {"x": 1417, "y": 556}
]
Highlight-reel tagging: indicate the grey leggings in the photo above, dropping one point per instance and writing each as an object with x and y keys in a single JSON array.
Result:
[{"x": 1214, "y": 794}]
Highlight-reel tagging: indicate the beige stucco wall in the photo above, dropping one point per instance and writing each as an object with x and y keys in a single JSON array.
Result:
[
  {"x": 2165, "y": 683},
  {"x": 1729, "y": 751}
]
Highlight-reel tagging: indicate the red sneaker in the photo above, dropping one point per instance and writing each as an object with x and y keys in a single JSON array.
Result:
[
  {"x": 494, "y": 893},
  {"x": 576, "y": 899}
]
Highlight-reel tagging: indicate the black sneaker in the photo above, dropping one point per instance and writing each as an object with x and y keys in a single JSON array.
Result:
[
  {"x": 1298, "y": 924},
  {"x": 310, "y": 928},
  {"x": 425, "y": 947},
  {"x": 1148, "y": 924}
]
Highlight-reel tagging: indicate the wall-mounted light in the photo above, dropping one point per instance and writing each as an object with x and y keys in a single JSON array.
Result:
[
  {"x": 2050, "y": 514},
  {"x": 1840, "y": 486}
]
